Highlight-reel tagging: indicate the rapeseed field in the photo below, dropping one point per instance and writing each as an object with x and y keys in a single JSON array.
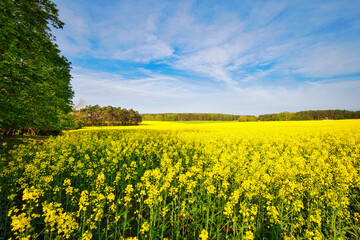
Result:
[{"x": 169, "y": 180}]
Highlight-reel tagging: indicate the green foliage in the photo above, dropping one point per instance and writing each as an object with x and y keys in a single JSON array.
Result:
[
  {"x": 189, "y": 117},
  {"x": 106, "y": 116},
  {"x": 284, "y": 116},
  {"x": 326, "y": 114},
  {"x": 35, "y": 91},
  {"x": 246, "y": 118},
  {"x": 311, "y": 115}
]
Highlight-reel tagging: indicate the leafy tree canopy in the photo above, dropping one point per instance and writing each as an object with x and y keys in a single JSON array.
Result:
[
  {"x": 189, "y": 117},
  {"x": 35, "y": 90},
  {"x": 106, "y": 116}
]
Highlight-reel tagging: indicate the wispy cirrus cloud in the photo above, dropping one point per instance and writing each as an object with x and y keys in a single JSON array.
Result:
[
  {"x": 171, "y": 94},
  {"x": 233, "y": 49},
  {"x": 323, "y": 60},
  {"x": 151, "y": 84},
  {"x": 121, "y": 31}
]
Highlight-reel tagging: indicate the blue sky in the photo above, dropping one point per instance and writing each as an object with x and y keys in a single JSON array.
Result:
[{"x": 237, "y": 57}]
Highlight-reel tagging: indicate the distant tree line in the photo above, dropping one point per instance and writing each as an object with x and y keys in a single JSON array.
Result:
[
  {"x": 106, "y": 116},
  {"x": 283, "y": 116},
  {"x": 310, "y": 115},
  {"x": 190, "y": 117},
  {"x": 247, "y": 118}
]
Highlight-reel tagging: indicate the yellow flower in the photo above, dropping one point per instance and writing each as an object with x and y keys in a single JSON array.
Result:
[
  {"x": 249, "y": 235},
  {"x": 100, "y": 179},
  {"x": 55, "y": 218},
  {"x": 84, "y": 200},
  {"x": 228, "y": 209},
  {"x": 316, "y": 217},
  {"x": 31, "y": 194},
  {"x": 145, "y": 227},
  {"x": 273, "y": 213},
  {"x": 164, "y": 211},
  {"x": 20, "y": 223},
  {"x": 211, "y": 189},
  {"x": 87, "y": 235},
  {"x": 204, "y": 235},
  {"x": 111, "y": 197}
]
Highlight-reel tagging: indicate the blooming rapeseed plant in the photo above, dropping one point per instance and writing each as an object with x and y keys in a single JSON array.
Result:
[
  {"x": 284, "y": 180},
  {"x": 204, "y": 235}
]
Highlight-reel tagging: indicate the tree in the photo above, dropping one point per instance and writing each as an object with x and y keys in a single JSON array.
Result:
[
  {"x": 247, "y": 118},
  {"x": 110, "y": 116},
  {"x": 35, "y": 90},
  {"x": 284, "y": 116}
]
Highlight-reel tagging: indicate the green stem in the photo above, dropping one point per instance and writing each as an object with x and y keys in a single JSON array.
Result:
[{"x": 125, "y": 221}]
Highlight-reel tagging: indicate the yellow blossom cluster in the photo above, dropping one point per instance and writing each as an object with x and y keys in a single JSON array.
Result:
[{"x": 187, "y": 180}]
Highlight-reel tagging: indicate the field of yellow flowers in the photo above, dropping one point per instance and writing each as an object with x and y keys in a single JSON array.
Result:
[{"x": 195, "y": 180}]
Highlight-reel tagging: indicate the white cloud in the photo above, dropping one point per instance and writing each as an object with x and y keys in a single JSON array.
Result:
[
  {"x": 209, "y": 62},
  {"x": 256, "y": 75},
  {"x": 233, "y": 52},
  {"x": 328, "y": 60},
  {"x": 106, "y": 88},
  {"x": 309, "y": 95},
  {"x": 162, "y": 93},
  {"x": 151, "y": 50},
  {"x": 126, "y": 31},
  {"x": 264, "y": 13},
  {"x": 151, "y": 31}
]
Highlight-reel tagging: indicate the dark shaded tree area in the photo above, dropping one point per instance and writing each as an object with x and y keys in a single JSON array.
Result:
[
  {"x": 191, "y": 117},
  {"x": 311, "y": 115},
  {"x": 35, "y": 90},
  {"x": 106, "y": 116}
]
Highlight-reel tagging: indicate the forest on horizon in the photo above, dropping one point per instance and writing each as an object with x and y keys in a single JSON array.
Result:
[{"x": 283, "y": 116}]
